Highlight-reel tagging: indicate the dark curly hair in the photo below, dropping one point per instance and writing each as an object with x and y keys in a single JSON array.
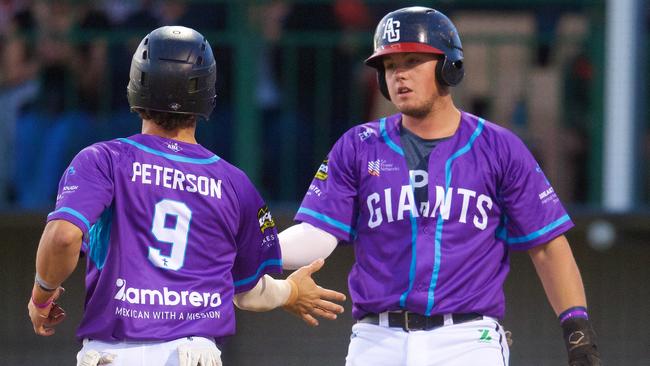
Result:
[{"x": 168, "y": 121}]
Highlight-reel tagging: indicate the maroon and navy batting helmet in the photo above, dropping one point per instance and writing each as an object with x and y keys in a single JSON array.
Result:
[{"x": 419, "y": 29}]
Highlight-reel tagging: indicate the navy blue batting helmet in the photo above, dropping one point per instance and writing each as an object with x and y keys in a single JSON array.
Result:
[
  {"x": 173, "y": 70},
  {"x": 423, "y": 30}
]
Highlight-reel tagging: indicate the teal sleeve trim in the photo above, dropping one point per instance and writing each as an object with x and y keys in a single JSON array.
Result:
[
  {"x": 538, "y": 233},
  {"x": 328, "y": 220},
  {"x": 74, "y": 213},
  {"x": 266, "y": 263}
]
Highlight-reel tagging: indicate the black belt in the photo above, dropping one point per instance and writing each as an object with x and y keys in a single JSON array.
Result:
[{"x": 413, "y": 321}]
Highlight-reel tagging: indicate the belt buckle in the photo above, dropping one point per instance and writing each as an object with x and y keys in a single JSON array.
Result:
[{"x": 406, "y": 321}]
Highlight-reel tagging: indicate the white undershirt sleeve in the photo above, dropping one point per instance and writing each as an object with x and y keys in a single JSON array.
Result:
[
  {"x": 268, "y": 294},
  {"x": 303, "y": 243}
]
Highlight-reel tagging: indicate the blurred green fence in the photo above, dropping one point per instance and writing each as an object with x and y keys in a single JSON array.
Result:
[{"x": 533, "y": 66}]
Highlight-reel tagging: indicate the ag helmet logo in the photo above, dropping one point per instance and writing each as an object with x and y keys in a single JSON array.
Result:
[
  {"x": 391, "y": 30},
  {"x": 265, "y": 219}
]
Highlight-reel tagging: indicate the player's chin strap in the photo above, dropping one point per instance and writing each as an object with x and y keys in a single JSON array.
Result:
[
  {"x": 94, "y": 358},
  {"x": 579, "y": 337},
  {"x": 194, "y": 356}
]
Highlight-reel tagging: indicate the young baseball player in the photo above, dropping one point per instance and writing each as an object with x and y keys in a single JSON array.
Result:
[
  {"x": 172, "y": 233},
  {"x": 433, "y": 200}
]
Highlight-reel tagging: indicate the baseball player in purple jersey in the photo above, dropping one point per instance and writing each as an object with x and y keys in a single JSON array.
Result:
[
  {"x": 172, "y": 233},
  {"x": 433, "y": 200}
]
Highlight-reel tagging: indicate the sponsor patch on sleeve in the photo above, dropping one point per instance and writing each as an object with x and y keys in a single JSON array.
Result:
[
  {"x": 321, "y": 174},
  {"x": 265, "y": 219}
]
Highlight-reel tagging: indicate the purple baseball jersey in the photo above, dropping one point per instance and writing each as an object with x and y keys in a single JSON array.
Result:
[
  {"x": 171, "y": 232},
  {"x": 486, "y": 195}
]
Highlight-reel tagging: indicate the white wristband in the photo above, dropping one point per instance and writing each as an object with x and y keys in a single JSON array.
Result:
[{"x": 44, "y": 285}]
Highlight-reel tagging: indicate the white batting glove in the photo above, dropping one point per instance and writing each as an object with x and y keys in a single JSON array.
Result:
[
  {"x": 94, "y": 358},
  {"x": 192, "y": 356}
]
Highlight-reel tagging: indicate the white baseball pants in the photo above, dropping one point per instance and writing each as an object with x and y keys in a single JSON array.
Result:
[
  {"x": 480, "y": 342},
  {"x": 180, "y": 352}
]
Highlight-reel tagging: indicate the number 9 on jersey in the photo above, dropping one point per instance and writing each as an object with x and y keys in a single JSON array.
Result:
[{"x": 171, "y": 232}]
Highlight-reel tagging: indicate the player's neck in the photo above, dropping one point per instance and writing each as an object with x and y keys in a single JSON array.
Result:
[
  {"x": 442, "y": 121},
  {"x": 180, "y": 134}
]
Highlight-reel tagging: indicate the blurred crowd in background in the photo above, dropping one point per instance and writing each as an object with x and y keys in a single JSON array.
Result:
[{"x": 64, "y": 70}]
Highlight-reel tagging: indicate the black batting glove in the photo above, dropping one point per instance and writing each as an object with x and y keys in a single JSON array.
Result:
[{"x": 580, "y": 342}]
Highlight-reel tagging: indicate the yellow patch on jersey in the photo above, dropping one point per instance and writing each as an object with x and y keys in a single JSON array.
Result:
[
  {"x": 321, "y": 174},
  {"x": 265, "y": 219}
]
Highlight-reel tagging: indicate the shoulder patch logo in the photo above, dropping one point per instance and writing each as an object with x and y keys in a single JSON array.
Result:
[
  {"x": 321, "y": 174},
  {"x": 70, "y": 171},
  {"x": 538, "y": 169},
  {"x": 367, "y": 133},
  {"x": 265, "y": 219}
]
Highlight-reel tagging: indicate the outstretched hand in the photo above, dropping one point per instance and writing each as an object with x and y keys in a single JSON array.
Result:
[
  {"x": 310, "y": 300},
  {"x": 44, "y": 319}
]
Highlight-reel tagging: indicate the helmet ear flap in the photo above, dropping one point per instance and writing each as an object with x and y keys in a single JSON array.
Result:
[
  {"x": 450, "y": 73},
  {"x": 381, "y": 80}
]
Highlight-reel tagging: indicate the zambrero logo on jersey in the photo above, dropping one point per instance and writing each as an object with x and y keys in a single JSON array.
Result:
[
  {"x": 321, "y": 174},
  {"x": 265, "y": 219},
  {"x": 165, "y": 297}
]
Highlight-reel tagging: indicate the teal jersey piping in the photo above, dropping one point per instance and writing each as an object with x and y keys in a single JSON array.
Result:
[
  {"x": 414, "y": 224},
  {"x": 182, "y": 159},
  {"x": 387, "y": 140},
  {"x": 503, "y": 235},
  {"x": 414, "y": 238},
  {"x": 266, "y": 263},
  {"x": 74, "y": 213},
  {"x": 328, "y": 220},
  {"x": 438, "y": 237}
]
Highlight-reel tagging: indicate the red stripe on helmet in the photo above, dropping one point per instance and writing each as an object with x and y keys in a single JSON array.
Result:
[{"x": 401, "y": 48}]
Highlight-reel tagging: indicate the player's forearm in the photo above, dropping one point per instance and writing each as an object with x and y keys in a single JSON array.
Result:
[
  {"x": 268, "y": 294},
  {"x": 559, "y": 274},
  {"x": 303, "y": 243},
  {"x": 58, "y": 252}
]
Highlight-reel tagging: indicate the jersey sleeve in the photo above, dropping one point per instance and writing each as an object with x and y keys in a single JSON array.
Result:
[
  {"x": 534, "y": 214},
  {"x": 258, "y": 249},
  {"x": 85, "y": 190},
  {"x": 330, "y": 203}
]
